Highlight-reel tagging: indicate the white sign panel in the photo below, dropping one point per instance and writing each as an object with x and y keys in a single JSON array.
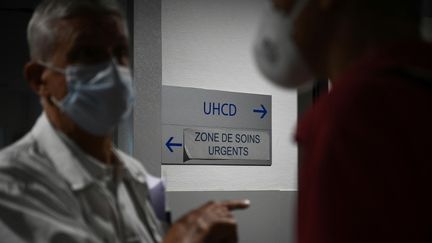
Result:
[
  {"x": 225, "y": 144},
  {"x": 233, "y": 128}
]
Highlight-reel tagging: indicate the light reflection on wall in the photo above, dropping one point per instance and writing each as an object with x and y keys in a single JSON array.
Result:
[{"x": 208, "y": 44}]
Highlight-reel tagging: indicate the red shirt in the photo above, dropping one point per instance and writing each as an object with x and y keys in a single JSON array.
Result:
[{"x": 366, "y": 150}]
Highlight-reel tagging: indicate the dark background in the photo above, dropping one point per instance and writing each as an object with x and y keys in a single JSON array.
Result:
[{"x": 18, "y": 105}]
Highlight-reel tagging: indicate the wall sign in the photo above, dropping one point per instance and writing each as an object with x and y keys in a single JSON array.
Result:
[{"x": 215, "y": 127}]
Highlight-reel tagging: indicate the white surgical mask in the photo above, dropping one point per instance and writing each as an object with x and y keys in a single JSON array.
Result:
[
  {"x": 276, "y": 53},
  {"x": 99, "y": 96}
]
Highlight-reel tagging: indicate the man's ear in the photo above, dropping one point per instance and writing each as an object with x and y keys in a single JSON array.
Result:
[
  {"x": 285, "y": 5},
  {"x": 325, "y": 4},
  {"x": 33, "y": 72}
]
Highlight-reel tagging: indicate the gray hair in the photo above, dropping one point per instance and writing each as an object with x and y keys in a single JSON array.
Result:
[{"x": 42, "y": 32}]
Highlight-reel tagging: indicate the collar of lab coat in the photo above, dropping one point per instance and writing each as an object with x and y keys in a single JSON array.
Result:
[{"x": 68, "y": 158}]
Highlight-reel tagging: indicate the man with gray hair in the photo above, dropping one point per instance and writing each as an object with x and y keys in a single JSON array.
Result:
[{"x": 64, "y": 181}]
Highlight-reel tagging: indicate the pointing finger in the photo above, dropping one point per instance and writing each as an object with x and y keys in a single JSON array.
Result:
[{"x": 236, "y": 204}]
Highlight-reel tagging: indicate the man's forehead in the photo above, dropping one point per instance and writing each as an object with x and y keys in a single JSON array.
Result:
[
  {"x": 94, "y": 25},
  {"x": 289, "y": 5},
  {"x": 286, "y": 5},
  {"x": 99, "y": 31},
  {"x": 91, "y": 34}
]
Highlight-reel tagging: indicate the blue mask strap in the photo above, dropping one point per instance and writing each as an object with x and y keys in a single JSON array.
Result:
[{"x": 52, "y": 67}]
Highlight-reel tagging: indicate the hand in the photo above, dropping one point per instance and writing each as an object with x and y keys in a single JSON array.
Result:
[{"x": 211, "y": 223}]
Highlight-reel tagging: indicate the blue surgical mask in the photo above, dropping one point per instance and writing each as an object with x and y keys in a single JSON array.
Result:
[
  {"x": 276, "y": 54},
  {"x": 99, "y": 96}
]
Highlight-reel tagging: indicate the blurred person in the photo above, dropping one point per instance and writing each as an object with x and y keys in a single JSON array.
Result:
[
  {"x": 65, "y": 181},
  {"x": 364, "y": 147}
]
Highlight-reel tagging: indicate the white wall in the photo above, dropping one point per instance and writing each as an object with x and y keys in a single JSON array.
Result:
[
  {"x": 147, "y": 135},
  {"x": 207, "y": 44}
]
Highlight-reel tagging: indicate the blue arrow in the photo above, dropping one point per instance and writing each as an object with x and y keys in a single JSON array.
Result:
[
  {"x": 169, "y": 144},
  {"x": 263, "y": 111}
]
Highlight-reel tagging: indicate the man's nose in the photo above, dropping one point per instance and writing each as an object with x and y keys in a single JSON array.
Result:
[
  {"x": 285, "y": 5},
  {"x": 121, "y": 57}
]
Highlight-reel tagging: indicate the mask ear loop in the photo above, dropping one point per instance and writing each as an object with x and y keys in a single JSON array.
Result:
[
  {"x": 52, "y": 99},
  {"x": 55, "y": 101},
  {"x": 52, "y": 67}
]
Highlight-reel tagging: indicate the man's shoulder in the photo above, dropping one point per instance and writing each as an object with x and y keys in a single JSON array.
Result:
[
  {"x": 367, "y": 101},
  {"x": 23, "y": 161},
  {"x": 16, "y": 152},
  {"x": 383, "y": 79},
  {"x": 27, "y": 173},
  {"x": 379, "y": 95}
]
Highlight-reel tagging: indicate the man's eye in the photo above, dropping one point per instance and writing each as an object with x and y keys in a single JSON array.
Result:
[
  {"x": 121, "y": 52},
  {"x": 89, "y": 55}
]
